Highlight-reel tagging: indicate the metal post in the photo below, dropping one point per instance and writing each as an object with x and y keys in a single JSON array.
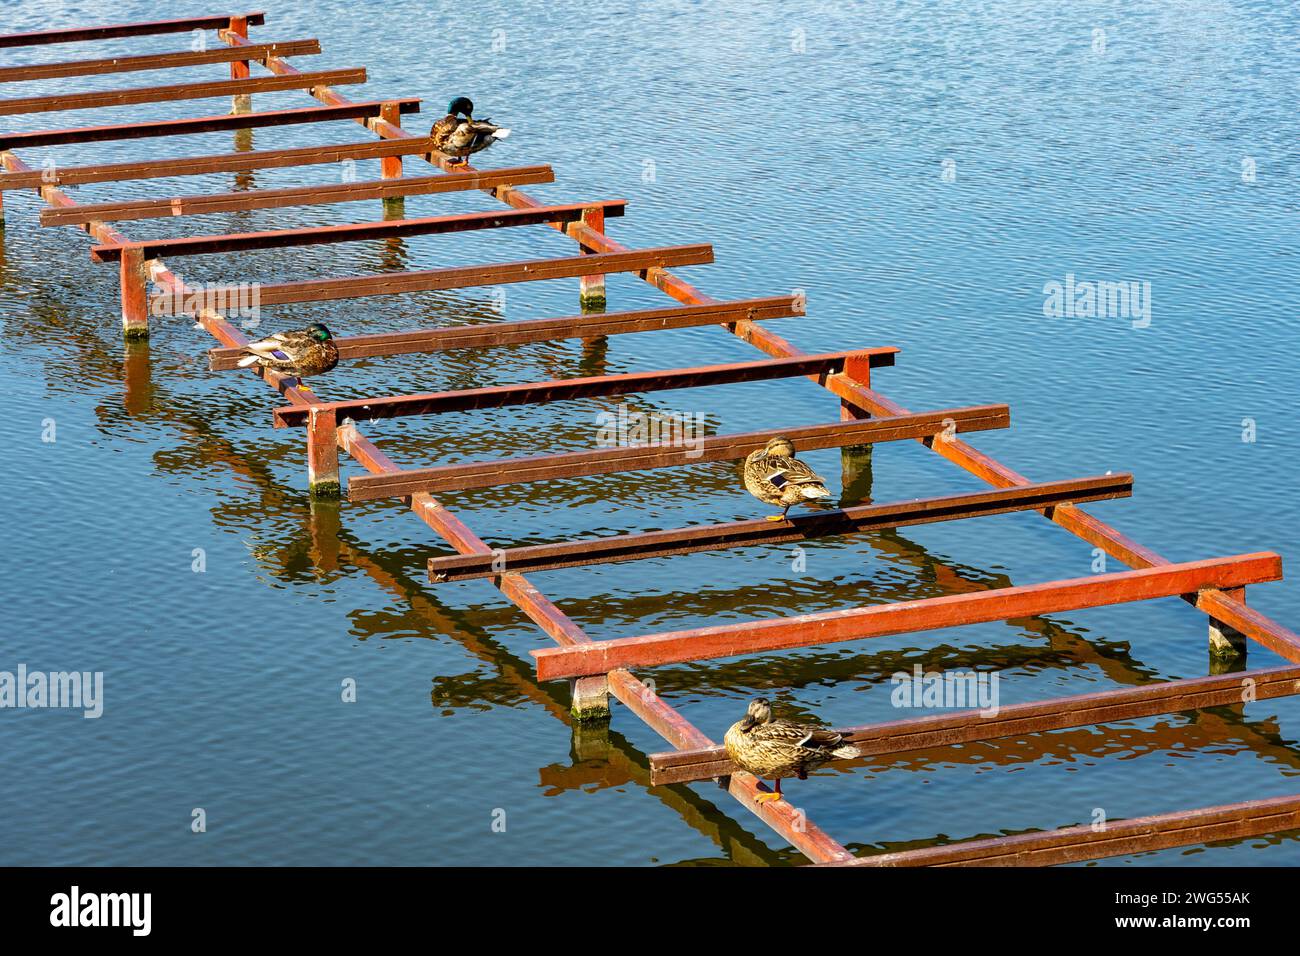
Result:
[
  {"x": 239, "y": 70},
  {"x": 855, "y": 460},
  {"x": 323, "y": 453},
  {"x": 390, "y": 167},
  {"x": 135, "y": 295},
  {"x": 591, "y": 289}
]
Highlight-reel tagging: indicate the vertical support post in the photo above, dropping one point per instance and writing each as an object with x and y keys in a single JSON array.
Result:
[
  {"x": 390, "y": 167},
  {"x": 2, "y": 210},
  {"x": 1227, "y": 644},
  {"x": 323, "y": 453},
  {"x": 135, "y": 295},
  {"x": 239, "y": 70},
  {"x": 590, "y": 698},
  {"x": 591, "y": 289},
  {"x": 855, "y": 460}
]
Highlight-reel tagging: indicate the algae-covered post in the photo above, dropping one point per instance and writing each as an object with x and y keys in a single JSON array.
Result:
[
  {"x": 323, "y": 452},
  {"x": 591, "y": 289}
]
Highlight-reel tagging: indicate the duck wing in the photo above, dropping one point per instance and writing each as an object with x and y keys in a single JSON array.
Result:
[
  {"x": 442, "y": 130},
  {"x": 816, "y": 743},
  {"x": 792, "y": 470},
  {"x": 282, "y": 346}
]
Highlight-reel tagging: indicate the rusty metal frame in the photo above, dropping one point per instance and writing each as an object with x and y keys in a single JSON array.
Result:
[{"x": 1220, "y": 597}]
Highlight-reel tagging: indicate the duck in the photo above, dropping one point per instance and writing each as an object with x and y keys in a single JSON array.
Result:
[
  {"x": 774, "y": 476},
  {"x": 299, "y": 352},
  {"x": 459, "y": 137},
  {"x": 773, "y": 749}
]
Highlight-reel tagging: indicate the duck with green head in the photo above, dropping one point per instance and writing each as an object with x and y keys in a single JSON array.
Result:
[
  {"x": 298, "y": 352},
  {"x": 458, "y": 134}
]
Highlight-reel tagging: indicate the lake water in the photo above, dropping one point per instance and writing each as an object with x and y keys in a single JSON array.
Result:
[{"x": 923, "y": 171}]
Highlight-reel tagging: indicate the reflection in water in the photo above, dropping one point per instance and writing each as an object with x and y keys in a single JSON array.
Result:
[
  {"x": 137, "y": 377},
  {"x": 245, "y": 179},
  {"x": 601, "y": 758},
  {"x": 934, "y": 265},
  {"x": 297, "y": 539}
]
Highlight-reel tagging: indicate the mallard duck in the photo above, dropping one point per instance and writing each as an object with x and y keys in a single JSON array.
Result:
[
  {"x": 774, "y": 476},
  {"x": 781, "y": 748},
  {"x": 309, "y": 351},
  {"x": 460, "y": 137}
]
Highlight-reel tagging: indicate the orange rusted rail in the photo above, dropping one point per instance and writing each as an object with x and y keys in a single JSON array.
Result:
[{"x": 1215, "y": 586}]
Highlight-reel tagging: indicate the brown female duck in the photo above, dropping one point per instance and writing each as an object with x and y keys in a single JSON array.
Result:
[
  {"x": 774, "y": 476},
  {"x": 781, "y": 748}
]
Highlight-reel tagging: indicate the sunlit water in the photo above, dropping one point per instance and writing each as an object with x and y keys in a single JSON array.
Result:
[{"x": 922, "y": 171}]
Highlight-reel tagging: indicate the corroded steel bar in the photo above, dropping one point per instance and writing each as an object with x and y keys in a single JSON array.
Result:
[
  {"x": 1268, "y": 632},
  {"x": 969, "y": 726},
  {"x": 741, "y": 534},
  {"x": 354, "y": 232},
  {"x": 783, "y": 818},
  {"x": 175, "y": 91},
  {"x": 1271, "y": 634},
  {"x": 1230, "y": 821},
  {"x": 207, "y": 203},
  {"x": 200, "y": 124},
  {"x": 532, "y": 393},
  {"x": 157, "y": 61},
  {"x": 200, "y": 165},
  {"x": 903, "y": 617},
  {"x": 541, "y": 330},
  {"x": 603, "y": 461},
  {"x": 463, "y": 277},
  {"x": 117, "y": 30}
]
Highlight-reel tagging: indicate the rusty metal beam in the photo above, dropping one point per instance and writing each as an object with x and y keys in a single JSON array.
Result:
[
  {"x": 201, "y": 124},
  {"x": 463, "y": 277},
  {"x": 603, "y": 461},
  {"x": 204, "y": 204},
  {"x": 804, "y": 527},
  {"x": 496, "y": 334},
  {"x": 534, "y": 393},
  {"x": 355, "y": 232},
  {"x": 904, "y": 617},
  {"x": 157, "y": 61},
  {"x": 784, "y": 819},
  {"x": 176, "y": 91},
  {"x": 202, "y": 165},
  {"x": 1231, "y": 821},
  {"x": 1016, "y": 720},
  {"x": 117, "y": 30}
]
